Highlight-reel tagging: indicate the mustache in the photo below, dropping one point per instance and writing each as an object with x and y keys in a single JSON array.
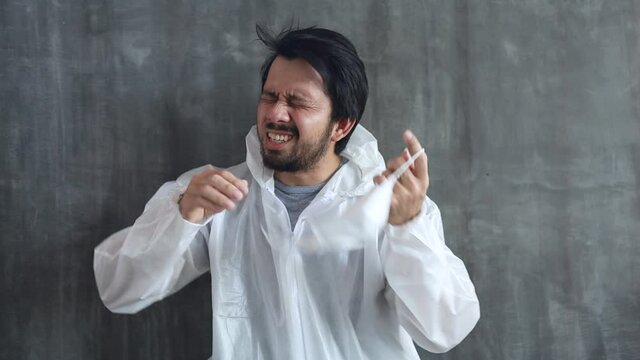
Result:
[{"x": 282, "y": 127}]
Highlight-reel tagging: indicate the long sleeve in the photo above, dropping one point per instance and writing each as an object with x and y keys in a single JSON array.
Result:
[
  {"x": 155, "y": 257},
  {"x": 428, "y": 285}
]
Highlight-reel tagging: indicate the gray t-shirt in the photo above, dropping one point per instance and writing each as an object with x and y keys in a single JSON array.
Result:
[{"x": 296, "y": 198}]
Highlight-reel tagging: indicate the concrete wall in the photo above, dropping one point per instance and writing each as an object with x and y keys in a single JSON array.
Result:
[{"x": 530, "y": 112}]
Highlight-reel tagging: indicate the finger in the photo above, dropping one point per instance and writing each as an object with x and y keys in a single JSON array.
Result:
[
  {"x": 395, "y": 163},
  {"x": 210, "y": 212},
  {"x": 240, "y": 184},
  {"x": 224, "y": 186},
  {"x": 420, "y": 165},
  {"x": 215, "y": 197},
  {"x": 410, "y": 182},
  {"x": 406, "y": 156},
  {"x": 206, "y": 168},
  {"x": 379, "y": 179},
  {"x": 198, "y": 200},
  {"x": 207, "y": 174},
  {"x": 400, "y": 192},
  {"x": 208, "y": 206}
]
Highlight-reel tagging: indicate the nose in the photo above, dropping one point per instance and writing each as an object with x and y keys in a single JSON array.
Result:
[{"x": 278, "y": 111}]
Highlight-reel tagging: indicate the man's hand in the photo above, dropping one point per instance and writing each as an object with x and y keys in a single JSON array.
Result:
[
  {"x": 210, "y": 192},
  {"x": 411, "y": 188}
]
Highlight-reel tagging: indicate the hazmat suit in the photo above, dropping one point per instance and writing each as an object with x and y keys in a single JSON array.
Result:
[{"x": 277, "y": 293}]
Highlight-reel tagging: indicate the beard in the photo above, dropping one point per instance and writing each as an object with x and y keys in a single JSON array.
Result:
[{"x": 302, "y": 156}]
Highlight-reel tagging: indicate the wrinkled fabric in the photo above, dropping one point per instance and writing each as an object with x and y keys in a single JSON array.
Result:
[
  {"x": 279, "y": 293},
  {"x": 341, "y": 231}
]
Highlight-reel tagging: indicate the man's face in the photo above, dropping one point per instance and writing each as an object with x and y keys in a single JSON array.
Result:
[{"x": 293, "y": 117}]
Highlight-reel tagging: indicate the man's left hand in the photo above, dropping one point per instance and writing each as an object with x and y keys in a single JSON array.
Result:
[{"x": 411, "y": 188}]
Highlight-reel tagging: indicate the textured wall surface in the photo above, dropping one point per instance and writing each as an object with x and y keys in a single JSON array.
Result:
[{"x": 530, "y": 112}]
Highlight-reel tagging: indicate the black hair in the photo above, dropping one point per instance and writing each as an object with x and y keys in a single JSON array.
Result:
[{"x": 334, "y": 57}]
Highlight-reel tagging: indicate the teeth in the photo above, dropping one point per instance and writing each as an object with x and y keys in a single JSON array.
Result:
[{"x": 278, "y": 137}]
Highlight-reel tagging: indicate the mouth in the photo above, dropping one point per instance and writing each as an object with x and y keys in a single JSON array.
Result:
[
  {"x": 278, "y": 138},
  {"x": 278, "y": 135}
]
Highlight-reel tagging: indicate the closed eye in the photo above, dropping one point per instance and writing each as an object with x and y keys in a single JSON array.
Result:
[
  {"x": 292, "y": 100},
  {"x": 269, "y": 96},
  {"x": 297, "y": 101}
]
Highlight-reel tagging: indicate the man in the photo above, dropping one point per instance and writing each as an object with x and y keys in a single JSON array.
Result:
[{"x": 307, "y": 158}]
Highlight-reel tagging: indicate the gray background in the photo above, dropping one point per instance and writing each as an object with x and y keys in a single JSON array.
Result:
[{"x": 530, "y": 112}]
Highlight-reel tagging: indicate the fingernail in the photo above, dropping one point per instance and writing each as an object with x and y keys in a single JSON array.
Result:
[
  {"x": 243, "y": 186},
  {"x": 409, "y": 134}
]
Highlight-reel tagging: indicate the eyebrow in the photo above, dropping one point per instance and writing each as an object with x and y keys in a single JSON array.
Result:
[
  {"x": 289, "y": 97},
  {"x": 270, "y": 93}
]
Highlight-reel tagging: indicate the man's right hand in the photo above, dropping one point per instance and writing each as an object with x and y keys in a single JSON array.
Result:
[{"x": 210, "y": 192}]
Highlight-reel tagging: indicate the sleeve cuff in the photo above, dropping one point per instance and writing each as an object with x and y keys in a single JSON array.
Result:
[
  {"x": 176, "y": 208},
  {"x": 409, "y": 225}
]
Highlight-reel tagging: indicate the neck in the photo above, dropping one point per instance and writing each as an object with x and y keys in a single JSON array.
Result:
[{"x": 321, "y": 172}]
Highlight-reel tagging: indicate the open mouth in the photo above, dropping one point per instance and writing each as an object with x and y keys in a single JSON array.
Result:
[{"x": 278, "y": 138}]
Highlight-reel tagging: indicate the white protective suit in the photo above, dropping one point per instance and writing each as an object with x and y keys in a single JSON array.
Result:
[{"x": 271, "y": 299}]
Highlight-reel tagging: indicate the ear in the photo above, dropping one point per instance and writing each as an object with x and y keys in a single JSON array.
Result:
[{"x": 342, "y": 128}]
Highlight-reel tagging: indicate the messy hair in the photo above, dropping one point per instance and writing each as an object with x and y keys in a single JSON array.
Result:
[{"x": 334, "y": 57}]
